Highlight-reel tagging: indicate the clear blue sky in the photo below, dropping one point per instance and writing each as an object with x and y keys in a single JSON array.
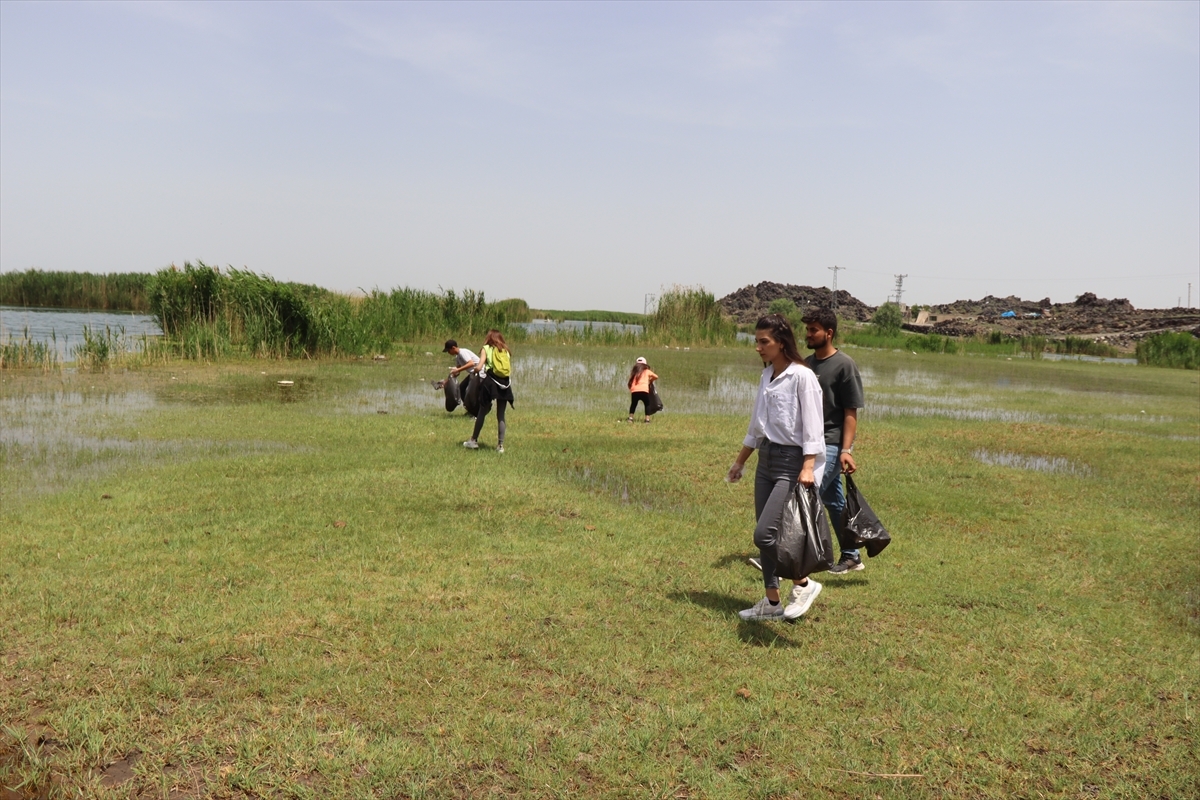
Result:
[{"x": 580, "y": 155}]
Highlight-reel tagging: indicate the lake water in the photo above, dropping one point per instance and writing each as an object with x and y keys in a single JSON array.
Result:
[
  {"x": 63, "y": 327},
  {"x": 578, "y": 326}
]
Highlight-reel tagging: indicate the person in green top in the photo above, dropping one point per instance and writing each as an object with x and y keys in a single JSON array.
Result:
[{"x": 495, "y": 362}]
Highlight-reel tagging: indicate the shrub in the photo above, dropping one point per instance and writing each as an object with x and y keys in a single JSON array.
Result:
[{"x": 887, "y": 319}]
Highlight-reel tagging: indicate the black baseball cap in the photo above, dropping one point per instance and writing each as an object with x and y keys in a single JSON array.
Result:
[{"x": 449, "y": 343}]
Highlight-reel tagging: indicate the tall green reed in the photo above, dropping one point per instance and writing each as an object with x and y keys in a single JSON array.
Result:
[
  {"x": 115, "y": 291},
  {"x": 25, "y": 353},
  {"x": 209, "y": 313},
  {"x": 1079, "y": 345},
  {"x": 689, "y": 315},
  {"x": 1178, "y": 350}
]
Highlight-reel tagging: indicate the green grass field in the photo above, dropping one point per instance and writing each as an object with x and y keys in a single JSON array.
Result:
[{"x": 214, "y": 587}]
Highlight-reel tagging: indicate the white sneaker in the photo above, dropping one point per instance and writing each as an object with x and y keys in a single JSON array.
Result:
[
  {"x": 499, "y": 448},
  {"x": 762, "y": 611},
  {"x": 471, "y": 444},
  {"x": 801, "y": 599}
]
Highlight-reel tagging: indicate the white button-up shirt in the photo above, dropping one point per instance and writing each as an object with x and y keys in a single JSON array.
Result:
[{"x": 789, "y": 410}]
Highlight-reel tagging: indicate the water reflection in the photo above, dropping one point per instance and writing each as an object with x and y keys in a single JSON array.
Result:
[
  {"x": 50, "y": 438},
  {"x": 1035, "y": 463},
  {"x": 976, "y": 414}
]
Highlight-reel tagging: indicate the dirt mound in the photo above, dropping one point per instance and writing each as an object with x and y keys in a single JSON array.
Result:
[
  {"x": 1115, "y": 321},
  {"x": 749, "y": 303},
  {"x": 993, "y": 306},
  {"x": 958, "y": 327}
]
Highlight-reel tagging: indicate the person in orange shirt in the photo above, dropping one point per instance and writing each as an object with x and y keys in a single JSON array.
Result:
[{"x": 640, "y": 378}]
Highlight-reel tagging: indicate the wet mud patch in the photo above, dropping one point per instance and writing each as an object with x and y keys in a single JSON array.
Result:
[{"x": 119, "y": 771}]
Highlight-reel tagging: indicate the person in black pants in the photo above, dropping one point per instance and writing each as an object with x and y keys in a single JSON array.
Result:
[{"x": 640, "y": 378}]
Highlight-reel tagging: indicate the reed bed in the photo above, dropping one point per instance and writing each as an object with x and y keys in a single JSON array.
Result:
[
  {"x": 207, "y": 313},
  {"x": 25, "y": 353},
  {"x": 115, "y": 291},
  {"x": 689, "y": 315},
  {"x": 1082, "y": 346},
  {"x": 1178, "y": 350},
  {"x": 995, "y": 344}
]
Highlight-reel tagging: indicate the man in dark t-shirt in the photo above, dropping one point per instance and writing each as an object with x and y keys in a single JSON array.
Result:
[{"x": 842, "y": 389}]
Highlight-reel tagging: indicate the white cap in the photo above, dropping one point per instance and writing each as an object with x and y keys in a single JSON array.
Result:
[{"x": 640, "y": 360}]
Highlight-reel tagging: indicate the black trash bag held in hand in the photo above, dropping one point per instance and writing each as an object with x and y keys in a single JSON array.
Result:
[
  {"x": 450, "y": 387},
  {"x": 860, "y": 522},
  {"x": 470, "y": 395},
  {"x": 804, "y": 544},
  {"x": 655, "y": 403}
]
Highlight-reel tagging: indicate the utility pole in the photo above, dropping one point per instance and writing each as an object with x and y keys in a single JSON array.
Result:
[
  {"x": 835, "y": 269},
  {"x": 1189, "y": 294},
  {"x": 648, "y": 303},
  {"x": 899, "y": 287}
]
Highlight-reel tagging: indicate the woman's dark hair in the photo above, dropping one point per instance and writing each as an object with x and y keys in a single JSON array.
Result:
[
  {"x": 496, "y": 339},
  {"x": 637, "y": 370},
  {"x": 781, "y": 331}
]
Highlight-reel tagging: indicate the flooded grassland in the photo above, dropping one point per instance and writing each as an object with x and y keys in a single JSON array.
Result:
[{"x": 212, "y": 584}]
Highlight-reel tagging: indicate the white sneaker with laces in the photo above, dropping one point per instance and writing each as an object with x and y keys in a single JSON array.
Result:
[
  {"x": 471, "y": 444},
  {"x": 801, "y": 599},
  {"x": 499, "y": 448},
  {"x": 762, "y": 611}
]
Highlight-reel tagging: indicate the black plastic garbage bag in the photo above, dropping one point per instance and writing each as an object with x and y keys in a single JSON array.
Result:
[
  {"x": 804, "y": 544},
  {"x": 860, "y": 523},
  {"x": 450, "y": 387},
  {"x": 470, "y": 395},
  {"x": 655, "y": 403}
]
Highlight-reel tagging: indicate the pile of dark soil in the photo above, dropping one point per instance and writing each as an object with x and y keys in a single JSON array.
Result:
[
  {"x": 1115, "y": 321},
  {"x": 993, "y": 306},
  {"x": 749, "y": 303}
]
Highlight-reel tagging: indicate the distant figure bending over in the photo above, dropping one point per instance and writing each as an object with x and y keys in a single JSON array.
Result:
[{"x": 640, "y": 378}]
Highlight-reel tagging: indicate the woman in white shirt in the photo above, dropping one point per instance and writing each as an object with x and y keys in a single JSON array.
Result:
[{"x": 787, "y": 428}]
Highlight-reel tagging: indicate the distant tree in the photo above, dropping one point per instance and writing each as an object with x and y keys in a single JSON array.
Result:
[
  {"x": 782, "y": 306},
  {"x": 887, "y": 319},
  {"x": 789, "y": 311}
]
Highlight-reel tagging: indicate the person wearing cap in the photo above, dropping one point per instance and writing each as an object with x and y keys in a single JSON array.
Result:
[
  {"x": 464, "y": 359},
  {"x": 640, "y": 378}
]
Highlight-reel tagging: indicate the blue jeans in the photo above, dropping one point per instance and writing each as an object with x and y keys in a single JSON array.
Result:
[{"x": 834, "y": 498}]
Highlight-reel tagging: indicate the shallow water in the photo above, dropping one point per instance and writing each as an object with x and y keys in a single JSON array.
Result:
[
  {"x": 1093, "y": 359},
  {"x": 1034, "y": 463},
  {"x": 63, "y": 425},
  {"x": 63, "y": 328},
  {"x": 52, "y": 437}
]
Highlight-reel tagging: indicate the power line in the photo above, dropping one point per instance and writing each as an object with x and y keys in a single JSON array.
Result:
[{"x": 1033, "y": 278}]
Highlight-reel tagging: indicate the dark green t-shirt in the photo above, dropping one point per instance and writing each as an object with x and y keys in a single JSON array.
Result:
[{"x": 841, "y": 387}]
